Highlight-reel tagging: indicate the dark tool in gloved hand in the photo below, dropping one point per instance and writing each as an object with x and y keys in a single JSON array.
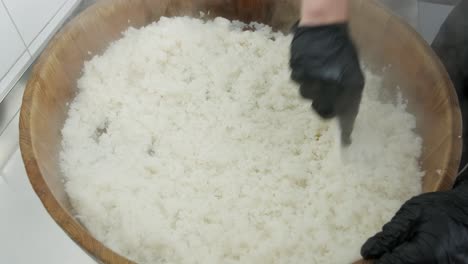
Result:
[
  {"x": 429, "y": 229},
  {"x": 325, "y": 64}
]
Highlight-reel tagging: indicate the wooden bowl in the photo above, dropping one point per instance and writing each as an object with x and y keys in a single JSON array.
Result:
[{"x": 381, "y": 37}]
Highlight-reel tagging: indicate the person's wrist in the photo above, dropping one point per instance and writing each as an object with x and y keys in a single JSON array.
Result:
[
  {"x": 322, "y": 20},
  {"x": 323, "y": 12}
]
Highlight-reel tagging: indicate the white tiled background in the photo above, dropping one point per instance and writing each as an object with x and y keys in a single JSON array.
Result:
[
  {"x": 31, "y": 17},
  {"x": 24, "y": 27},
  {"x": 27, "y": 232},
  {"x": 12, "y": 47}
]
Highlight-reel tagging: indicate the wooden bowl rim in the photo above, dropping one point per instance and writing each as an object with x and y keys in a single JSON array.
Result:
[{"x": 75, "y": 230}]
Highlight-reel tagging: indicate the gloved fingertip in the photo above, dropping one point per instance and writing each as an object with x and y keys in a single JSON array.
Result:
[
  {"x": 306, "y": 92},
  {"x": 346, "y": 141},
  {"x": 371, "y": 249},
  {"x": 393, "y": 233},
  {"x": 324, "y": 111},
  {"x": 297, "y": 74}
]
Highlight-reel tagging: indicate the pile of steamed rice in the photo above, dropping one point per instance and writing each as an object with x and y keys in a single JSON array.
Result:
[{"x": 188, "y": 143}]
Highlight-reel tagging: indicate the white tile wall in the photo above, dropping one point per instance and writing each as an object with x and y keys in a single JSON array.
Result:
[
  {"x": 12, "y": 47},
  {"x": 25, "y": 28},
  {"x": 7, "y": 82},
  {"x": 27, "y": 232},
  {"x": 31, "y": 16},
  {"x": 38, "y": 43}
]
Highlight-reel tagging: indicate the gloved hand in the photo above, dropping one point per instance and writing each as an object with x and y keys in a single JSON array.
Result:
[
  {"x": 325, "y": 64},
  {"x": 451, "y": 45},
  {"x": 430, "y": 228}
]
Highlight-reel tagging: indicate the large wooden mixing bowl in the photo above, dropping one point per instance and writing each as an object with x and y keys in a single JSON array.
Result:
[{"x": 381, "y": 37}]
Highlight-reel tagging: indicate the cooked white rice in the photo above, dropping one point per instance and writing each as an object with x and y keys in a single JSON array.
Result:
[{"x": 188, "y": 143}]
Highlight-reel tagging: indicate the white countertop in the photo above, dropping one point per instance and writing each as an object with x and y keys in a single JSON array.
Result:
[{"x": 27, "y": 233}]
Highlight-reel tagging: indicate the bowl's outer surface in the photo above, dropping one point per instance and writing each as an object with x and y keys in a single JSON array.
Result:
[{"x": 382, "y": 40}]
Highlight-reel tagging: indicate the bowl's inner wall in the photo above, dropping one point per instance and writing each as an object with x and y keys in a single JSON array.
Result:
[{"x": 381, "y": 38}]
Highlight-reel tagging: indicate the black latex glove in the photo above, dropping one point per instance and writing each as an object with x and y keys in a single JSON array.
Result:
[
  {"x": 430, "y": 228},
  {"x": 325, "y": 64},
  {"x": 451, "y": 45}
]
